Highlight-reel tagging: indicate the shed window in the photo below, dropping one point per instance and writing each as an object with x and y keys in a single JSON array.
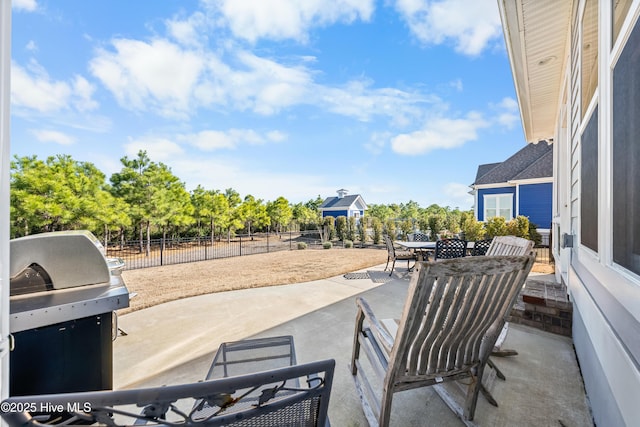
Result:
[
  {"x": 498, "y": 205},
  {"x": 626, "y": 155}
]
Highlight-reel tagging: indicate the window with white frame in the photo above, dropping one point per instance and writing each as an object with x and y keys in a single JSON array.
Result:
[
  {"x": 626, "y": 155},
  {"x": 498, "y": 205}
]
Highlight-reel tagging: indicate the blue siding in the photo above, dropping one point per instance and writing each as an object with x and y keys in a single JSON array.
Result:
[
  {"x": 498, "y": 190},
  {"x": 334, "y": 214},
  {"x": 536, "y": 203}
]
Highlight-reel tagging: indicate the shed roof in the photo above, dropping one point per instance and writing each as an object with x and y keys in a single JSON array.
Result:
[{"x": 341, "y": 202}]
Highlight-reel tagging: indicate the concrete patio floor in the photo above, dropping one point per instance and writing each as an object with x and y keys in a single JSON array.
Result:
[{"x": 174, "y": 343}]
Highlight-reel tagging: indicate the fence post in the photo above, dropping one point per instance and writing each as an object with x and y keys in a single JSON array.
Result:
[
  {"x": 290, "y": 242},
  {"x": 161, "y": 249},
  {"x": 240, "y": 244},
  {"x": 268, "y": 240}
]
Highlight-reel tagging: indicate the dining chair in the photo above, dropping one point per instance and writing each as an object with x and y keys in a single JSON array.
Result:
[
  {"x": 393, "y": 255},
  {"x": 450, "y": 248}
]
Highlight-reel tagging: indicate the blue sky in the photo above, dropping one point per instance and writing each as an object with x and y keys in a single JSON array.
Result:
[{"x": 395, "y": 100}]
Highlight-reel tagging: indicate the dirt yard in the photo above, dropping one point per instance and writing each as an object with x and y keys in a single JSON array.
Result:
[
  {"x": 157, "y": 285},
  {"x": 161, "y": 284}
]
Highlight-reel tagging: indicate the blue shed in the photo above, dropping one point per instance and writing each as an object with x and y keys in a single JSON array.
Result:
[
  {"x": 521, "y": 185},
  {"x": 344, "y": 205}
]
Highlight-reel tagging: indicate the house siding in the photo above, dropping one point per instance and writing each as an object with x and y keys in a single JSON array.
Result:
[
  {"x": 605, "y": 296},
  {"x": 335, "y": 214},
  {"x": 536, "y": 203},
  {"x": 498, "y": 190}
]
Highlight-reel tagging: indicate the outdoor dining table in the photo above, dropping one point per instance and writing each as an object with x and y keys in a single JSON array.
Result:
[{"x": 424, "y": 247}]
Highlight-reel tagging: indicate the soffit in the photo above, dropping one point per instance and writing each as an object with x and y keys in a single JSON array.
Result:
[{"x": 536, "y": 34}]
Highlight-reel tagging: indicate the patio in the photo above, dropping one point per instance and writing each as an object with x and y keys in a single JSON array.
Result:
[{"x": 174, "y": 343}]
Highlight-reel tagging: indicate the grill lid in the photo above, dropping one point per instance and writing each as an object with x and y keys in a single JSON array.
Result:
[{"x": 32, "y": 279}]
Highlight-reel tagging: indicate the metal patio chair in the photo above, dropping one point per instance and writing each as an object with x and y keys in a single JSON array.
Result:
[
  {"x": 480, "y": 247},
  {"x": 450, "y": 248},
  {"x": 266, "y": 398},
  {"x": 393, "y": 255}
]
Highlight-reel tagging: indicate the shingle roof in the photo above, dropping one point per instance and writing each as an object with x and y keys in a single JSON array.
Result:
[
  {"x": 483, "y": 169},
  {"x": 532, "y": 161},
  {"x": 339, "y": 202}
]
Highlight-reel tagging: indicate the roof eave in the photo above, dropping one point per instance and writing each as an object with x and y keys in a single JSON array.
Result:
[{"x": 547, "y": 21}]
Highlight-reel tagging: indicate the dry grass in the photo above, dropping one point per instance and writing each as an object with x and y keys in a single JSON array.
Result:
[
  {"x": 157, "y": 285},
  {"x": 162, "y": 284}
]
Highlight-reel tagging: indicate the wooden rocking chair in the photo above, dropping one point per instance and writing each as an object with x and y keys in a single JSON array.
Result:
[{"x": 453, "y": 314}]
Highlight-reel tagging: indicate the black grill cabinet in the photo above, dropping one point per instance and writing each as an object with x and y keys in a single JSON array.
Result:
[{"x": 64, "y": 293}]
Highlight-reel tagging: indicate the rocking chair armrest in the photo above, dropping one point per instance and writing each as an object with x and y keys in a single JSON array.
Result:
[{"x": 374, "y": 324}]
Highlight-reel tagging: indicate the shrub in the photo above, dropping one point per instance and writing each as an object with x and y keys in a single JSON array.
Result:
[
  {"x": 533, "y": 234},
  {"x": 362, "y": 231},
  {"x": 302, "y": 245},
  {"x": 341, "y": 227},
  {"x": 390, "y": 228},
  {"x": 496, "y": 226},
  {"x": 351, "y": 228},
  {"x": 473, "y": 229},
  {"x": 348, "y": 244},
  {"x": 519, "y": 227},
  {"x": 436, "y": 225},
  {"x": 376, "y": 224},
  {"x": 406, "y": 227},
  {"x": 327, "y": 245}
]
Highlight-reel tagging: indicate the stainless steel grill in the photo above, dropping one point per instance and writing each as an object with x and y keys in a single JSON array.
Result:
[{"x": 64, "y": 293}]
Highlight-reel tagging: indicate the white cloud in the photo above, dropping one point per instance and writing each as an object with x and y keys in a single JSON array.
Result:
[
  {"x": 457, "y": 195},
  {"x": 358, "y": 99},
  {"x": 277, "y": 136},
  {"x": 174, "y": 81},
  {"x": 53, "y": 136},
  {"x": 25, "y": 5},
  {"x": 288, "y": 19},
  {"x": 439, "y": 133},
  {"x": 157, "y": 148},
  {"x": 377, "y": 142},
  {"x": 31, "y": 46},
  {"x": 267, "y": 86},
  {"x": 83, "y": 91},
  {"x": 37, "y": 90},
  {"x": 157, "y": 75},
  {"x": 210, "y": 140},
  {"x": 470, "y": 24},
  {"x": 507, "y": 112},
  {"x": 32, "y": 88},
  {"x": 218, "y": 173},
  {"x": 191, "y": 31}
]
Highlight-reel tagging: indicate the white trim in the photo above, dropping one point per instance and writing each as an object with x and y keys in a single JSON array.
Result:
[
  {"x": 497, "y": 208},
  {"x": 530, "y": 181},
  {"x": 497, "y": 185},
  {"x": 5, "y": 138}
]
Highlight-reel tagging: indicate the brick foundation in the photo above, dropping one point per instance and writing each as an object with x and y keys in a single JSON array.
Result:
[{"x": 543, "y": 305}]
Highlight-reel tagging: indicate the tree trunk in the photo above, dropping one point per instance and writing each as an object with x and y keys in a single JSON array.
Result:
[
  {"x": 212, "y": 230},
  {"x": 148, "y": 238},
  {"x": 106, "y": 237}
]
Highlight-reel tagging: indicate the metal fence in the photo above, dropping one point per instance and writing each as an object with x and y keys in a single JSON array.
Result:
[
  {"x": 191, "y": 249},
  {"x": 139, "y": 254}
]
